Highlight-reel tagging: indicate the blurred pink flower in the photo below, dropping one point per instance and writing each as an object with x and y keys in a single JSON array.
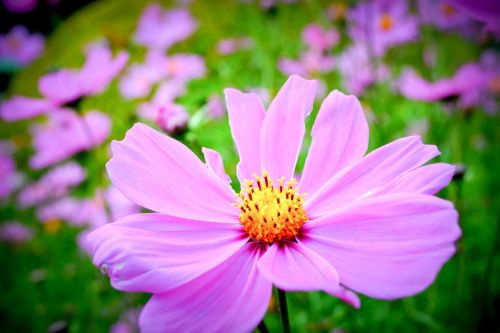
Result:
[
  {"x": 160, "y": 29},
  {"x": 65, "y": 134},
  {"x": 67, "y": 85},
  {"x": 310, "y": 64},
  {"x": 215, "y": 107},
  {"x": 19, "y": 47},
  {"x": 381, "y": 24},
  {"x": 138, "y": 81},
  {"x": 71, "y": 210},
  {"x": 170, "y": 117},
  {"x": 487, "y": 11},
  {"x": 180, "y": 66},
  {"x": 20, "y": 6},
  {"x": 317, "y": 38},
  {"x": 357, "y": 69},
  {"x": 54, "y": 184},
  {"x": 443, "y": 14},
  {"x": 231, "y": 45},
  {"x": 370, "y": 223},
  {"x": 8, "y": 175},
  {"x": 14, "y": 232}
]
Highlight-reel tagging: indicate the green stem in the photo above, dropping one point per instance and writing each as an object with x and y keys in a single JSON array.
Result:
[
  {"x": 262, "y": 327},
  {"x": 285, "y": 323}
]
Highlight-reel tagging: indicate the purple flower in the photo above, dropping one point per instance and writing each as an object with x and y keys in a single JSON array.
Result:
[
  {"x": 381, "y": 24},
  {"x": 180, "y": 66},
  {"x": 20, "y": 6},
  {"x": 65, "y": 134},
  {"x": 54, "y": 184},
  {"x": 487, "y": 11},
  {"x": 369, "y": 224},
  {"x": 231, "y": 45},
  {"x": 19, "y": 47},
  {"x": 71, "y": 210},
  {"x": 67, "y": 85},
  {"x": 317, "y": 38},
  {"x": 310, "y": 63},
  {"x": 14, "y": 232},
  {"x": 215, "y": 107},
  {"x": 138, "y": 81},
  {"x": 357, "y": 69},
  {"x": 170, "y": 117},
  {"x": 443, "y": 14},
  {"x": 160, "y": 29},
  {"x": 8, "y": 175}
]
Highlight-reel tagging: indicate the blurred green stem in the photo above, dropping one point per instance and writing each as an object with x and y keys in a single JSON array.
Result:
[{"x": 285, "y": 323}]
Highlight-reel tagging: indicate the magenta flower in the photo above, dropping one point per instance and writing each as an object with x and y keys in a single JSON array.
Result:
[
  {"x": 67, "y": 85},
  {"x": 487, "y": 11},
  {"x": 382, "y": 24},
  {"x": 358, "y": 71},
  {"x": 310, "y": 63},
  {"x": 14, "y": 232},
  {"x": 138, "y": 81},
  {"x": 170, "y": 117},
  {"x": 443, "y": 14},
  {"x": 369, "y": 224},
  {"x": 19, "y": 47},
  {"x": 8, "y": 175},
  {"x": 317, "y": 38},
  {"x": 54, "y": 184},
  {"x": 20, "y": 6},
  {"x": 65, "y": 134},
  {"x": 160, "y": 29}
]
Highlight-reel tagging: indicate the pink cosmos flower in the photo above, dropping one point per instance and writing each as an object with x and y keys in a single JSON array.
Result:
[
  {"x": 487, "y": 11},
  {"x": 369, "y": 224},
  {"x": 357, "y": 69},
  {"x": 20, "y": 6},
  {"x": 10, "y": 179},
  {"x": 231, "y": 45},
  {"x": 443, "y": 14},
  {"x": 170, "y": 117},
  {"x": 74, "y": 211},
  {"x": 14, "y": 232},
  {"x": 67, "y": 85},
  {"x": 65, "y": 134},
  {"x": 180, "y": 66},
  {"x": 382, "y": 24},
  {"x": 310, "y": 63},
  {"x": 317, "y": 38},
  {"x": 54, "y": 184},
  {"x": 19, "y": 47},
  {"x": 160, "y": 29},
  {"x": 138, "y": 81},
  {"x": 215, "y": 107}
]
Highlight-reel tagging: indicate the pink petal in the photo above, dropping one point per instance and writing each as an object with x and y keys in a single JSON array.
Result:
[
  {"x": 283, "y": 127},
  {"x": 216, "y": 164},
  {"x": 428, "y": 179},
  {"x": 155, "y": 253},
  {"x": 233, "y": 297},
  {"x": 291, "y": 266},
  {"x": 20, "y": 107},
  {"x": 387, "y": 247},
  {"x": 61, "y": 87},
  {"x": 161, "y": 174},
  {"x": 365, "y": 176},
  {"x": 340, "y": 137},
  {"x": 246, "y": 114}
]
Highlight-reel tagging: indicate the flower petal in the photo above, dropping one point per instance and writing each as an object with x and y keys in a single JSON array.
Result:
[
  {"x": 161, "y": 174},
  {"x": 233, "y": 297},
  {"x": 61, "y": 87},
  {"x": 291, "y": 266},
  {"x": 246, "y": 114},
  {"x": 20, "y": 107},
  {"x": 155, "y": 253},
  {"x": 387, "y": 247},
  {"x": 428, "y": 179},
  {"x": 283, "y": 127},
  {"x": 216, "y": 164},
  {"x": 365, "y": 176},
  {"x": 340, "y": 137}
]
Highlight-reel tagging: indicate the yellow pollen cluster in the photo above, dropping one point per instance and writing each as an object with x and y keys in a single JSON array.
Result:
[
  {"x": 271, "y": 214},
  {"x": 386, "y": 22}
]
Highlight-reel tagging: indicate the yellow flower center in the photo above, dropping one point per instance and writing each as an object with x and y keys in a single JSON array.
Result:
[
  {"x": 448, "y": 10},
  {"x": 271, "y": 214},
  {"x": 386, "y": 22}
]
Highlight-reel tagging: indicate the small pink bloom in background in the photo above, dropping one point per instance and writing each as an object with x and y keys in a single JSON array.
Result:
[
  {"x": 357, "y": 69},
  {"x": 19, "y": 47},
  {"x": 443, "y": 14},
  {"x": 20, "y": 6},
  {"x": 231, "y": 45},
  {"x": 170, "y": 117},
  {"x": 128, "y": 323},
  {"x": 486, "y": 11},
  {"x": 317, "y": 38},
  {"x": 369, "y": 224},
  {"x": 382, "y": 24},
  {"x": 180, "y": 66},
  {"x": 14, "y": 232},
  {"x": 138, "y": 81},
  {"x": 160, "y": 29},
  {"x": 74, "y": 211},
  {"x": 65, "y": 134},
  {"x": 9, "y": 179},
  {"x": 310, "y": 63},
  {"x": 215, "y": 107},
  {"x": 54, "y": 184}
]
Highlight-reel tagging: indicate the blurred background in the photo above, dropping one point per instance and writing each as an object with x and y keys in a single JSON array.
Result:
[{"x": 76, "y": 74}]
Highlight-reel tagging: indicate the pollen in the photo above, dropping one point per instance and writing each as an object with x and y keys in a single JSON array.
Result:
[
  {"x": 271, "y": 213},
  {"x": 386, "y": 22}
]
